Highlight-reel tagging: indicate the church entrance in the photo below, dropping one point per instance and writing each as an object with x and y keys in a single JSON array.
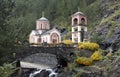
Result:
[
  {"x": 39, "y": 40},
  {"x": 54, "y": 41},
  {"x": 54, "y": 38},
  {"x": 82, "y": 35}
]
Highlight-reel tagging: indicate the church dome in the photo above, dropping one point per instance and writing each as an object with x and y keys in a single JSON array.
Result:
[{"x": 43, "y": 19}]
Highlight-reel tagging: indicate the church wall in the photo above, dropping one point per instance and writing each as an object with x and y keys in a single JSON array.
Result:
[
  {"x": 45, "y": 38},
  {"x": 31, "y": 37},
  {"x": 42, "y": 25}
]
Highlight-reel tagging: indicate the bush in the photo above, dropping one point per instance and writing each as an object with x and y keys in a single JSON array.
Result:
[
  {"x": 84, "y": 61},
  {"x": 68, "y": 42},
  {"x": 96, "y": 55},
  {"x": 6, "y": 70},
  {"x": 88, "y": 46}
]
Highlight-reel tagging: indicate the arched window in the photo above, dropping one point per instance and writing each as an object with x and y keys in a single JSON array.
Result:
[
  {"x": 41, "y": 26},
  {"x": 75, "y": 21},
  {"x": 39, "y": 40},
  {"x": 82, "y": 21}
]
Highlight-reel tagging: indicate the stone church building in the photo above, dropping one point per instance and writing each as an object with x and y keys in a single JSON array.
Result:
[{"x": 43, "y": 33}]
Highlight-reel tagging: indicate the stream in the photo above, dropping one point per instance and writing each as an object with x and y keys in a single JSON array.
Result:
[
  {"x": 42, "y": 65},
  {"x": 44, "y": 73}
]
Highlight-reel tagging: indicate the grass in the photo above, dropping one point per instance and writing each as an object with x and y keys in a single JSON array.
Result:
[
  {"x": 109, "y": 19},
  {"x": 93, "y": 13},
  {"x": 115, "y": 5},
  {"x": 110, "y": 33}
]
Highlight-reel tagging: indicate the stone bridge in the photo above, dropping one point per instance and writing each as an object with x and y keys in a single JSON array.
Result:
[{"x": 62, "y": 53}]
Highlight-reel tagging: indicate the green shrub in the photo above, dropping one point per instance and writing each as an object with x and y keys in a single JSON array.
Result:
[{"x": 6, "y": 70}]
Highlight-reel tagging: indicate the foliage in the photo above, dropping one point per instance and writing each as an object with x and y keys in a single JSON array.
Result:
[
  {"x": 68, "y": 42},
  {"x": 94, "y": 12},
  {"x": 6, "y": 70},
  {"x": 88, "y": 46},
  {"x": 6, "y": 8},
  {"x": 108, "y": 19},
  {"x": 96, "y": 38},
  {"x": 84, "y": 61},
  {"x": 72, "y": 66},
  {"x": 96, "y": 56},
  {"x": 78, "y": 74},
  {"x": 110, "y": 33},
  {"x": 68, "y": 35},
  {"x": 109, "y": 55}
]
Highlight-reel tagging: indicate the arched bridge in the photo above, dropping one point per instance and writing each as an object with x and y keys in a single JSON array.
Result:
[
  {"x": 62, "y": 54},
  {"x": 58, "y": 51}
]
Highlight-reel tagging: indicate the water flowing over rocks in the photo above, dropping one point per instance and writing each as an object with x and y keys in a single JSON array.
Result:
[{"x": 44, "y": 73}]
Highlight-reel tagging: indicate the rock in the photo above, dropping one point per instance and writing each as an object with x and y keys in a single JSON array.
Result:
[{"x": 43, "y": 73}]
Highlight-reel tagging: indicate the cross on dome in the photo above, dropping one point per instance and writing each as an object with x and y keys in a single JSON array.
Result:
[
  {"x": 43, "y": 14},
  {"x": 78, "y": 9}
]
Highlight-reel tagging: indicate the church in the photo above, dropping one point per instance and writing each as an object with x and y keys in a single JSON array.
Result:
[{"x": 43, "y": 33}]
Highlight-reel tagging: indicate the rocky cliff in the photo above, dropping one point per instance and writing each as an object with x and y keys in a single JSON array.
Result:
[{"x": 108, "y": 30}]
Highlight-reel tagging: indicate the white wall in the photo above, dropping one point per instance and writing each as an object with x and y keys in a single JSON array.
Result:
[
  {"x": 45, "y": 38},
  {"x": 78, "y": 32}
]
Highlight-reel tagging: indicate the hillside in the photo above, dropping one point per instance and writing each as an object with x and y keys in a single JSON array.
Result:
[
  {"x": 108, "y": 29},
  {"x": 26, "y": 12}
]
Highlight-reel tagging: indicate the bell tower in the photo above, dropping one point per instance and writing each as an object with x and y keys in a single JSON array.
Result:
[{"x": 79, "y": 27}]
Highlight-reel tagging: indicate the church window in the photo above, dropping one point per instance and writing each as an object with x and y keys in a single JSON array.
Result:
[
  {"x": 82, "y": 21},
  {"x": 82, "y": 29},
  {"x": 41, "y": 26},
  {"x": 75, "y": 21},
  {"x": 75, "y": 29}
]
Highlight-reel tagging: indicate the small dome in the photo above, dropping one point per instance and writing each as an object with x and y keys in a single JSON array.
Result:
[{"x": 43, "y": 19}]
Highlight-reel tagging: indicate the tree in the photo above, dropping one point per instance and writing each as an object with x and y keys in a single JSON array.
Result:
[{"x": 6, "y": 7}]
